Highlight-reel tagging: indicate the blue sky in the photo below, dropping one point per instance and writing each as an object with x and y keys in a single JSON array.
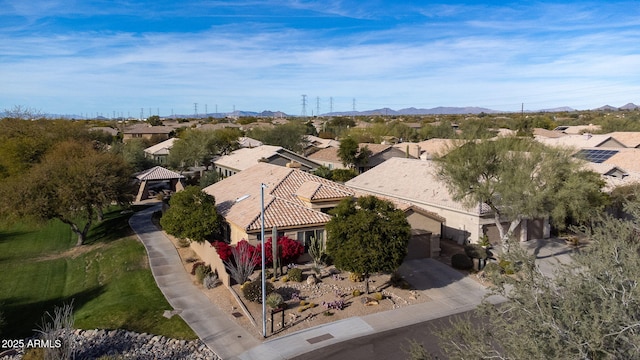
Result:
[{"x": 106, "y": 56}]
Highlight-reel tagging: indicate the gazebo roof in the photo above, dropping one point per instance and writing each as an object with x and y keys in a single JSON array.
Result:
[{"x": 158, "y": 173}]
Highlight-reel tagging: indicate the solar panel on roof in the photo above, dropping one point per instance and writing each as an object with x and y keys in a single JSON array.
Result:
[{"x": 596, "y": 155}]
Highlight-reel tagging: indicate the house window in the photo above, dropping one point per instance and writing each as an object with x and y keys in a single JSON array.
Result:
[
  {"x": 267, "y": 234},
  {"x": 304, "y": 237}
]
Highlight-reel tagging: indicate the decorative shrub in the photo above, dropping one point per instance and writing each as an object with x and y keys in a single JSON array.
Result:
[
  {"x": 211, "y": 280},
  {"x": 356, "y": 293},
  {"x": 294, "y": 274},
  {"x": 378, "y": 296},
  {"x": 461, "y": 262},
  {"x": 223, "y": 249},
  {"x": 275, "y": 300},
  {"x": 338, "y": 304},
  {"x": 253, "y": 290},
  {"x": 476, "y": 251},
  {"x": 195, "y": 266},
  {"x": 202, "y": 272},
  {"x": 284, "y": 278},
  {"x": 289, "y": 250},
  {"x": 356, "y": 277},
  {"x": 508, "y": 267},
  {"x": 493, "y": 268}
]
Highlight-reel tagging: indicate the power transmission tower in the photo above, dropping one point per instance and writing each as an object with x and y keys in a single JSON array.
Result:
[
  {"x": 141, "y": 114},
  {"x": 317, "y": 105},
  {"x": 331, "y": 105},
  {"x": 304, "y": 105},
  {"x": 195, "y": 109}
]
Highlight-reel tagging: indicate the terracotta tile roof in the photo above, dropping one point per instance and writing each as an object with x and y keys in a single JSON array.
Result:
[
  {"x": 413, "y": 181},
  {"x": 238, "y": 197},
  {"x": 158, "y": 173}
]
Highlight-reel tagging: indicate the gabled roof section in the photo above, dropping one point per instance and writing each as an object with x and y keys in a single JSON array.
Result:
[
  {"x": 326, "y": 154},
  {"x": 161, "y": 148},
  {"x": 583, "y": 141},
  {"x": 411, "y": 180},
  {"x": 158, "y": 173},
  {"x": 630, "y": 139},
  {"x": 375, "y": 148},
  {"x": 238, "y": 197},
  {"x": 244, "y": 158}
]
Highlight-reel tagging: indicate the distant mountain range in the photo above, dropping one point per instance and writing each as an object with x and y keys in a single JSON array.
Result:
[{"x": 440, "y": 110}]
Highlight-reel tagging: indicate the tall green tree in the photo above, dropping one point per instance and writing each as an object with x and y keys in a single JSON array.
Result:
[
  {"x": 351, "y": 154},
  {"x": 519, "y": 178},
  {"x": 588, "y": 308},
  {"x": 73, "y": 183},
  {"x": 133, "y": 153},
  {"x": 367, "y": 235},
  {"x": 291, "y": 136},
  {"x": 192, "y": 215}
]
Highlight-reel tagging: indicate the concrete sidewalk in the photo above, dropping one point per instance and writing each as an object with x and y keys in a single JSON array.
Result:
[{"x": 221, "y": 334}]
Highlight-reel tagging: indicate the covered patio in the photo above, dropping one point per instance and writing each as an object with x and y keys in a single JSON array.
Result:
[{"x": 158, "y": 180}]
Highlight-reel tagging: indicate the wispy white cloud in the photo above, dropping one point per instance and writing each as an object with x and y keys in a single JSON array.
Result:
[{"x": 455, "y": 56}]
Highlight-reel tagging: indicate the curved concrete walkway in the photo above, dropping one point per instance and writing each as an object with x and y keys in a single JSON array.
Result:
[{"x": 221, "y": 334}]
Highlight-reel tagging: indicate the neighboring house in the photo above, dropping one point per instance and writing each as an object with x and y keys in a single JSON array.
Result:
[
  {"x": 295, "y": 201},
  {"x": 583, "y": 141},
  {"x": 630, "y": 139},
  {"x": 144, "y": 131},
  {"x": 109, "y": 130},
  {"x": 247, "y": 142},
  {"x": 415, "y": 182},
  {"x": 614, "y": 175},
  {"x": 159, "y": 152},
  {"x": 158, "y": 180},
  {"x": 427, "y": 149},
  {"x": 244, "y": 158},
  {"x": 315, "y": 143},
  {"x": 380, "y": 153},
  {"x": 577, "y": 129},
  {"x": 217, "y": 126}
]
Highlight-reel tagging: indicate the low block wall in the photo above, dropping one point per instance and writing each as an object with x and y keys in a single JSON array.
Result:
[{"x": 208, "y": 254}]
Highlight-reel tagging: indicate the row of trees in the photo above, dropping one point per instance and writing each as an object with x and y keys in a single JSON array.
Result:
[{"x": 59, "y": 170}]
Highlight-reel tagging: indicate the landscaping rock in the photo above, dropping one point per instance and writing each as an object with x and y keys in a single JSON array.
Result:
[{"x": 92, "y": 344}]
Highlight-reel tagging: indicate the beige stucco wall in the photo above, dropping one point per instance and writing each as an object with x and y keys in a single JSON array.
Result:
[
  {"x": 422, "y": 222},
  {"x": 208, "y": 254}
]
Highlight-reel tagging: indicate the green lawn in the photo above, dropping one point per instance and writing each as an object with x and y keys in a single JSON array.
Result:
[{"x": 108, "y": 279}]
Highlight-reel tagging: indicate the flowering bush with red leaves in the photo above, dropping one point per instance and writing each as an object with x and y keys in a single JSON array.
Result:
[
  {"x": 223, "y": 249},
  {"x": 290, "y": 250}
]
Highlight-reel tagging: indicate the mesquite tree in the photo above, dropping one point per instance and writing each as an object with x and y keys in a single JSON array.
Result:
[{"x": 367, "y": 235}]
